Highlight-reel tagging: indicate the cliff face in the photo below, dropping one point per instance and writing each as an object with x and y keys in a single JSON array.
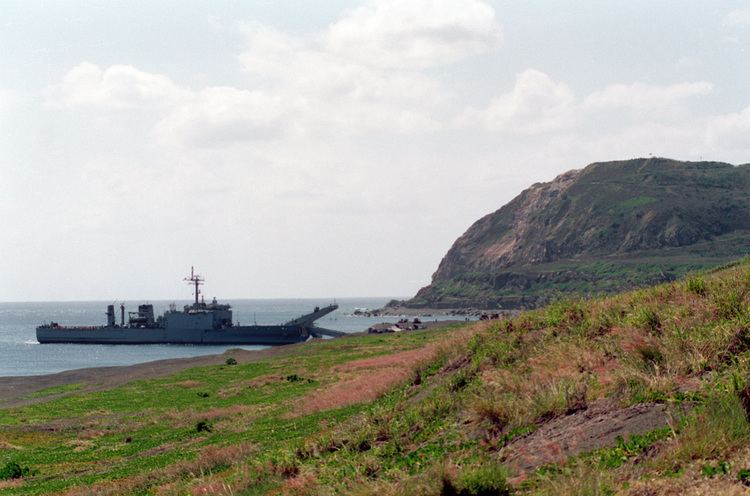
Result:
[{"x": 607, "y": 227}]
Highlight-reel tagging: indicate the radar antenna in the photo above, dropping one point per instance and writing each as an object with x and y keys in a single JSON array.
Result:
[{"x": 195, "y": 280}]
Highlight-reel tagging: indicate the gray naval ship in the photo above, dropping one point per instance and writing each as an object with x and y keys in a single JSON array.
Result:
[{"x": 198, "y": 323}]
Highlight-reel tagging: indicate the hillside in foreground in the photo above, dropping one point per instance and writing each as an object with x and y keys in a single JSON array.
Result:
[
  {"x": 643, "y": 393},
  {"x": 606, "y": 228}
]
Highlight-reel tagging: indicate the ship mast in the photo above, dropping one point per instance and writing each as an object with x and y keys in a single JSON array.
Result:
[{"x": 195, "y": 280}]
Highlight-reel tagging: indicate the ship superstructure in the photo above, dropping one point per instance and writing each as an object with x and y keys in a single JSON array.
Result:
[{"x": 197, "y": 323}]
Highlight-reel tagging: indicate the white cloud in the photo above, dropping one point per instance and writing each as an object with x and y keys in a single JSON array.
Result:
[
  {"x": 7, "y": 98},
  {"x": 738, "y": 18},
  {"x": 730, "y": 131},
  {"x": 417, "y": 33},
  {"x": 222, "y": 115},
  {"x": 536, "y": 103},
  {"x": 687, "y": 62},
  {"x": 314, "y": 73},
  {"x": 325, "y": 92},
  {"x": 539, "y": 104},
  {"x": 361, "y": 74},
  {"x": 645, "y": 96},
  {"x": 646, "y": 101},
  {"x": 117, "y": 87}
]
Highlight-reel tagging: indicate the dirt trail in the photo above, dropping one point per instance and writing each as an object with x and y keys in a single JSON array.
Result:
[{"x": 597, "y": 427}]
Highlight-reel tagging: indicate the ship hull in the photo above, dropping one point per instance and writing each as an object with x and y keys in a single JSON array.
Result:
[{"x": 249, "y": 335}]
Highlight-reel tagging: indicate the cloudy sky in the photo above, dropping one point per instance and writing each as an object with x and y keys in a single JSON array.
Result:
[{"x": 327, "y": 148}]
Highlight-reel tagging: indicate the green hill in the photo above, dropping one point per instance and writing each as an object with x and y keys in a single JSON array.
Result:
[
  {"x": 606, "y": 228},
  {"x": 641, "y": 393}
]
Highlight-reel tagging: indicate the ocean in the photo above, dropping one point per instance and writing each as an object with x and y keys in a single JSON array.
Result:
[{"x": 21, "y": 354}]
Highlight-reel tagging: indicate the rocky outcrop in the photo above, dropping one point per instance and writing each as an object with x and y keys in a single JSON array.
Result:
[{"x": 607, "y": 227}]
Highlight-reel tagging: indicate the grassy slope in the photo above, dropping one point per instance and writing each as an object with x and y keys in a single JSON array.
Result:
[
  {"x": 532, "y": 285},
  {"x": 455, "y": 404}
]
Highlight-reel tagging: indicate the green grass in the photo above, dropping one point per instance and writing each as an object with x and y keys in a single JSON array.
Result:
[
  {"x": 442, "y": 429},
  {"x": 633, "y": 203},
  {"x": 85, "y": 438},
  {"x": 50, "y": 391}
]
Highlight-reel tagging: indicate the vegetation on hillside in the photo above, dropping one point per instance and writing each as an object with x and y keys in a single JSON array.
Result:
[
  {"x": 501, "y": 407},
  {"x": 609, "y": 227}
]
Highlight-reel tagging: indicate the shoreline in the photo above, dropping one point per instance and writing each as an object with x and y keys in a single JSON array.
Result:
[
  {"x": 426, "y": 313},
  {"x": 21, "y": 390}
]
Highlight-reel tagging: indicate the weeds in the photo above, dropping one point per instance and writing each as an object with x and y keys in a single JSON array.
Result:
[
  {"x": 721, "y": 468},
  {"x": 697, "y": 285},
  {"x": 625, "y": 450},
  {"x": 729, "y": 302},
  {"x": 647, "y": 319},
  {"x": 485, "y": 480},
  {"x": 713, "y": 429},
  {"x": 13, "y": 470}
]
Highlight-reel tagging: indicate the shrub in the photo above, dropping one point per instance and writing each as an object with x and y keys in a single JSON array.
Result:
[
  {"x": 714, "y": 428},
  {"x": 580, "y": 479},
  {"x": 487, "y": 480},
  {"x": 647, "y": 319},
  {"x": 203, "y": 426},
  {"x": 720, "y": 468},
  {"x": 231, "y": 361},
  {"x": 729, "y": 303},
  {"x": 285, "y": 465},
  {"x": 575, "y": 397},
  {"x": 744, "y": 476},
  {"x": 12, "y": 470},
  {"x": 493, "y": 413},
  {"x": 460, "y": 380},
  {"x": 651, "y": 356},
  {"x": 697, "y": 285},
  {"x": 565, "y": 313}
]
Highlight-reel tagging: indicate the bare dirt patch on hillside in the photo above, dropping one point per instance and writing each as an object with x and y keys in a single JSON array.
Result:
[
  {"x": 597, "y": 427},
  {"x": 364, "y": 380}
]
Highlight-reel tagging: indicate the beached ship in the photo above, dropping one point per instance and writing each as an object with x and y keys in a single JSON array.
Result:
[{"x": 198, "y": 323}]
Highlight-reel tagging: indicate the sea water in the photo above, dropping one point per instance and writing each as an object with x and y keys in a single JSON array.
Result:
[{"x": 21, "y": 354}]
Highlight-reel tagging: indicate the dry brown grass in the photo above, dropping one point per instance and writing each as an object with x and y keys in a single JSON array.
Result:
[
  {"x": 188, "y": 384},
  {"x": 213, "y": 488},
  {"x": 366, "y": 379},
  {"x": 210, "y": 458},
  {"x": 361, "y": 388},
  {"x": 264, "y": 380},
  {"x": 79, "y": 445},
  {"x": 10, "y": 484},
  {"x": 229, "y": 483},
  {"x": 411, "y": 359},
  {"x": 187, "y": 418},
  {"x": 692, "y": 481},
  {"x": 303, "y": 484}
]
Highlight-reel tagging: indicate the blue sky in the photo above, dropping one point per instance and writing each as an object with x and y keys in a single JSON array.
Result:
[{"x": 327, "y": 148}]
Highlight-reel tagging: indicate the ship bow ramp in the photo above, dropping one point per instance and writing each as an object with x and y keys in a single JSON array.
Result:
[{"x": 308, "y": 321}]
